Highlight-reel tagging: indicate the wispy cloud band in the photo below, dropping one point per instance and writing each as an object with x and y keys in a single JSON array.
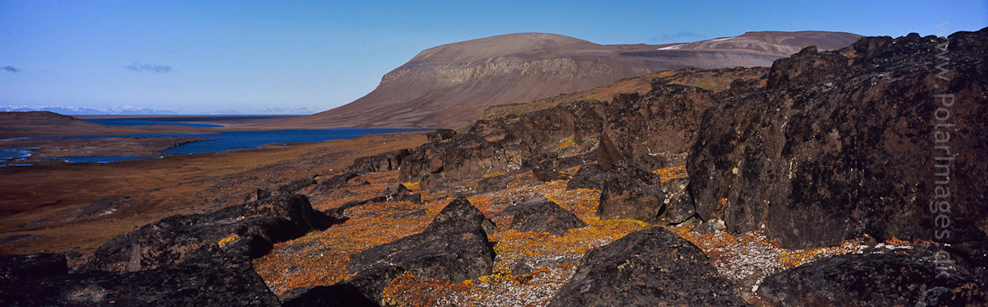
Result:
[
  {"x": 678, "y": 36},
  {"x": 140, "y": 67}
]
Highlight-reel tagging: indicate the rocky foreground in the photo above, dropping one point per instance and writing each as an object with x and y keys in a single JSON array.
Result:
[{"x": 848, "y": 177}]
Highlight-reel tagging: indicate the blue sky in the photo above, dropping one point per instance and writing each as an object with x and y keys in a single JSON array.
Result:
[{"x": 244, "y": 56}]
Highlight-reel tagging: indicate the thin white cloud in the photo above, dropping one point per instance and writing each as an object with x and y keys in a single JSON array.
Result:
[
  {"x": 677, "y": 37},
  {"x": 140, "y": 67}
]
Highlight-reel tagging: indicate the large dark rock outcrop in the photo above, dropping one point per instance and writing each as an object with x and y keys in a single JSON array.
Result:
[
  {"x": 887, "y": 279},
  {"x": 508, "y": 145},
  {"x": 541, "y": 215},
  {"x": 652, "y": 267},
  {"x": 654, "y": 130},
  {"x": 885, "y": 137},
  {"x": 174, "y": 239},
  {"x": 211, "y": 275},
  {"x": 384, "y": 162},
  {"x": 453, "y": 247}
]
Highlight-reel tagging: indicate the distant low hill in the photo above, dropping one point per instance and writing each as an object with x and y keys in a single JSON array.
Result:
[
  {"x": 449, "y": 85},
  {"x": 44, "y": 123}
]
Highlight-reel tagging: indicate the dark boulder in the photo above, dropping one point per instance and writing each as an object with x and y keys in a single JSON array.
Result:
[
  {"x": 589, "y": 176},
  {"x": 652, "y": 267},
  {"x": 453, "y": 247},
  {"x": 37, "y": 265},
  {"x": 632, "y": 193},
  {"x": 398, "y": 192},
  {"x": 567, "y": 162},
  {"x": 459, "y": 214},
  {"x": 149, "y": 249},
  {"x": 494, "y": 183},
  {"x": 213, "y": 275},
  {"x": 384, "y": 162},
  {"x": 451, "y": 255},
  {"x": 319, "y": 296},
  {"x": 294, "y": 186},
  {"x": 395, "y": 192},
  {"x": 538, "y": 214},
  {"x": 440, "y": 135},
  {"x": 505, "y": 145},
  {"x": 806, "y": 67},
  {"x": 174, "y": 239},
  {"x": 887, "y": 279},
  {"x": 971, "y": 254},
  {"x": 852, "y": 152},
  {"x": 336, "y": 182},
  {"x": 364, "y": 289}
]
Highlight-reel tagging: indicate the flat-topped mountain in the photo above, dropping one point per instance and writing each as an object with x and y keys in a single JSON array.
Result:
[{"x": 449, "y": 85}]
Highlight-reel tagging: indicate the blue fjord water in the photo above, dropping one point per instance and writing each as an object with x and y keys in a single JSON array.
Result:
[
  {"x": 218, "y": 142},
  {"x": 252, "y": 139}
]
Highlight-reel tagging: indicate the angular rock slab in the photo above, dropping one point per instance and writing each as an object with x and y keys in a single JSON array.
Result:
[
  {"x": 652, "y": 267},
  {"x": 589, "y": 176},
  {"x": 541, "y": 215},
  {"x": 872, "y": 280},
  {"x": 174, "y": 239},
  {"x": 365, "y": 289},
  {"x": 453, "y": 247},
  {"x": 632, "y": 193},
  {"x": 212, "y": 276}
]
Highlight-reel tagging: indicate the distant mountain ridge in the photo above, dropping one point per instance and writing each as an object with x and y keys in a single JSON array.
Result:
[
  {"x": 73, "y": 110},
  {"x": 128, "y": 110},
  {"x": 449, "y": 85}
]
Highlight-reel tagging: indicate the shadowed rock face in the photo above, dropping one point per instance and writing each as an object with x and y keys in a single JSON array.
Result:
[
  {"x": 853, "y": 142},
  {"x": 652, "y": 267},
  {"x": 649, "y": 131},
  {"x": 653, "y": 131},
  {"x": 449, "y": 85},
  {"x": 894, "y": 279}
]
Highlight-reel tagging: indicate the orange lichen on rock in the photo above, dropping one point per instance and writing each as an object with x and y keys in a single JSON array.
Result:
[
  {"x": 566, "y": 143},
  {"x": 670, "y": 173},
  {"x": 222, "y": 243}
]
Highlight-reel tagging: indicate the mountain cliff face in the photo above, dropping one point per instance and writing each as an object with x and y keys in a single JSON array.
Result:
[{"x": 449, "y": 85}]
